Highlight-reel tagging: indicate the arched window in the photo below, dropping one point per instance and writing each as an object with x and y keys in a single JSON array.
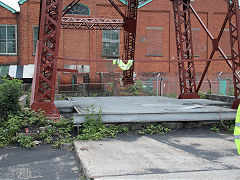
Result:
[
  {"x": 140, "y": 2},
  {"x": 79, "y": 9}
]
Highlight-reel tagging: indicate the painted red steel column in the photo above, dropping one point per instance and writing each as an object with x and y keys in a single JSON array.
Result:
[
  {"x": 234, "y": 26},
  {"x": 182, "y": 21},
  {"x": 44, "y": 80},
  {"x": 130, "y": 26}
]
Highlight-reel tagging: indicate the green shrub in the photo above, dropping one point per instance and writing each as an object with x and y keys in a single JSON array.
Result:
[
  {"x": 137, "y": 88},
  {"x": 202, "y": 95},
  {"x": 94, "y": 129},
  {"x": 155, "y": 128},
  {"x": 10, "y": 92}
]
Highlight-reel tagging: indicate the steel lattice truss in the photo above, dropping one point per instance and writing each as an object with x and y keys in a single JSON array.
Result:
[
  {"x": 130, "y": 27},
  {"x": 46, "y": 57},
  {"x": 235, "y": 46},
  {"x": 182, "y": 20},
  {"x": 92, "y": 23}
]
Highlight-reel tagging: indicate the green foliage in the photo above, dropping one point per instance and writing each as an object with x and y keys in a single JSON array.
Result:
[
  {"x": 202, "y": 95},
  {"x": 10, "y": 92},
  {"x": 28, "y": 93},
  {"x": 173, "y": 95},
  {"x": 24, "y": 140},
  {"x": 94, "y": 129},
  {"x": 155, "y": 128},
  {"x": 215, "y": 128},
  {"x": 229, "y": 125},
  {"x": 29, "y": 118},
  {"x": 137, "y": 88}
]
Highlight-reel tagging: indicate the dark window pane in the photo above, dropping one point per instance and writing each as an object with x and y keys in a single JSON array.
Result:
[
  {"x": 110, "y": 43},
  {"x": 11, "y": 32},
  {"x": 79, "y": 9},
  {"x": 140, "y": 2},
  {"x": 11, "y": 46},
  {"x": 8, "y": 39},
  {"x": 2, "y": 32},
  {"x": 2, "y": 46},
  {"x": 35, "y": 38}
]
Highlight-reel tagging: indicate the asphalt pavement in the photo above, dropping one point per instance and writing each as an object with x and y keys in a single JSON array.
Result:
[{"x": 42, "y": 162}]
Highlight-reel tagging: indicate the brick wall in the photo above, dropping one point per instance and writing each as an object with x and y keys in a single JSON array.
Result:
[
  {"x": 156, "y": 14},
  {"x": 8, "y": 18}
]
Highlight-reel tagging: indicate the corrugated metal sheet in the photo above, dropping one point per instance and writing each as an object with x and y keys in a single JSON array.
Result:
[
  {"x": 19, "y": 73},
  {"x": 28, "y": 71},
  {"x": 13, "y": 71}
]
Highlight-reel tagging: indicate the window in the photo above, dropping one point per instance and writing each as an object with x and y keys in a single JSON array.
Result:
[
  {"x": 154, "y": 41},
  {"x": 79, "y": 9},
  {"x": 140, "y": 2},
  {"x": 8, "y": 39},
  {"x": 35, "y": 39},
  {"x": 110, "y": 46}
]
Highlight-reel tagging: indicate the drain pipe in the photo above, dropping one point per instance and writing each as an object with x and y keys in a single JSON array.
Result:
[{"x": 157, "y": 82}]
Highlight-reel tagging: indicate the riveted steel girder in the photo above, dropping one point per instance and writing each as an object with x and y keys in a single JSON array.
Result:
[
  {"x": 130, "y": 26},
  {"x": 182, "y": 21},
  {"x": 234, "y": 27},
  {"x": 44, "y": 80}
]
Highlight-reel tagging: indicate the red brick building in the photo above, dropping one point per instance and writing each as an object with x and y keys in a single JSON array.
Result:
[{"x": 155, "y": 40}]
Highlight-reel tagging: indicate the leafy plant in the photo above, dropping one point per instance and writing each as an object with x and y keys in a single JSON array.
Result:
[
  {"x": 94, "y": 129},
  {"x": 229, "y": 125},
  {"x": 10, "y": 92},
  {"x": 24, "y": 140},
  {"x": 215, "y": 128},
  {"x": 173, "y": 95},
  {"x": 155, "y": 128},
  {"x": 28, "y": 93},
  {"x": 202, "y": 95},
  {"x": 137, "y": 88}
]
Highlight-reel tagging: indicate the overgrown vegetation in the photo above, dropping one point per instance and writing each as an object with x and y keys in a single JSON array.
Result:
[
  {"x": 10, "y": 92},
  {"x": 155, "y": 128},
  {"x": 94, "y": 129},
  {"x": 133, "y": 90},
  {"x": 29, "y": 126},
  {"x": 224, "y": 126}
]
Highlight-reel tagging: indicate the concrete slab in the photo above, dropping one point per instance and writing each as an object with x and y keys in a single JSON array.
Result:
[
  {"x": 149, "y": 109},
  {"x": 184, "y": 154}
]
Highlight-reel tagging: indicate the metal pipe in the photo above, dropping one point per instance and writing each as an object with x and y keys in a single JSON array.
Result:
[{"x": 157, "y": 82}]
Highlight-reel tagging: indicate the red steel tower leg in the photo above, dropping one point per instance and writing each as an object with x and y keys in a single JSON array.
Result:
[
  {"x": 182, "y": 20},
  {"x": 234, "y": 26},
  {"x": 44, "y": 79},
  {"x": 130, "y": 25}
]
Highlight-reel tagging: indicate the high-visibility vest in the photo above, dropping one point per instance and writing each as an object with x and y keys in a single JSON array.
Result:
[
  {"x": 122, "y": 65},
  {"x": 237, "y": 130}
]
